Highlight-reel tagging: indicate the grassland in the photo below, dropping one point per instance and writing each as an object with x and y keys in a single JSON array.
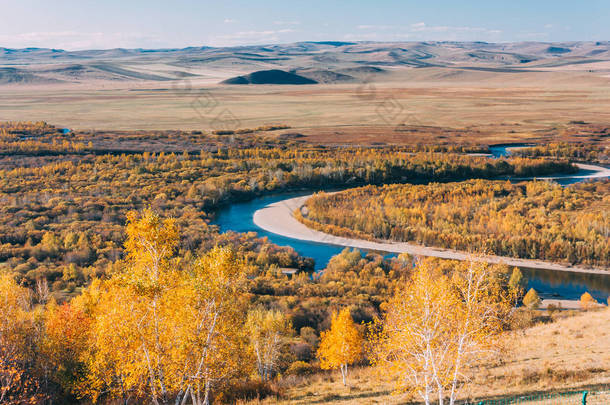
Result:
[
  {"x": 367, "y": 93},
  {"x": 431, "y": 105}
]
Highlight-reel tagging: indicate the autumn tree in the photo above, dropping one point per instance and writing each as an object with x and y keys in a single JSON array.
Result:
[
  {"x": 209, "y": 308},
  {"x": 65, "y": 342},
  {"x": 18, "y": 340},
  {"x": 516, "y": 284},
  {"x": 168, "y": 330},
  {"x": 436, "y": 326},
  {"x": 132, "y": 332},
  {"x": 341, "y": 345},
  {"x": 267, "y": 331}
]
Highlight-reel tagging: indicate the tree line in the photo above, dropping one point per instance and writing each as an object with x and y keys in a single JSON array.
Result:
[
  {"x": 584, "y": 152},
  {"x": 533, "y": 220}
]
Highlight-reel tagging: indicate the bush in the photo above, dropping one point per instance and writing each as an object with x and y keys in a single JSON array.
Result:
[
  {"x": 552, "y": 308},
  {"x": 531, "y": 299},
  {"x": 523, "y": 318},
  {"x": 587, "y": 301},
  {"x": 300, "y": 368},
  {"x": 245, "y": 391},
  {"x": 302, "y": 351}
]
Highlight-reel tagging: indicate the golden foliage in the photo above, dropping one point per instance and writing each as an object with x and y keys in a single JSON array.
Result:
[
  {"x": 531, "y": 299},
  {"x": 342, "y": 344},
  {"x": 267, "y": 331},
  {"x": 435, "y": 326},
  {"x": 160, "y": 331},
  {"x": 535, "y": 220},
  {"x": 587, "y": 301},
  {"x": 18, "y": 337}
]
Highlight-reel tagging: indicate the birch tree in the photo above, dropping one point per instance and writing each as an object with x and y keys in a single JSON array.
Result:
[
  {"x": 267, "y": 331},
  {"x": 436, "y": 326},
  {"x": 163, "y": 330},
  {"x": 211, "y": 331}
]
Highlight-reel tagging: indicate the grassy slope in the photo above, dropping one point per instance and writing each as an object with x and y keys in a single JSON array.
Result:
[{"x": 572, "y": 352}]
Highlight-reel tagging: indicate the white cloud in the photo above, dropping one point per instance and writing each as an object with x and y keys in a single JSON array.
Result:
[
  {"x": 376, "y": 27},
  {"x": 72, "y": 40},
  {"x": 287, "y": 22},
  {"x": 249, "y": 37},
  {"x": 422, "y": 31},
  {"x": 229, "y": 21}
]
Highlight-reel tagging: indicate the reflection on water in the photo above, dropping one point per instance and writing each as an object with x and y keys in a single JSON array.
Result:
[
  {"x": 568, "y": 285},
  {"x": 505, "y": 149},
  {"x": 238, "y": 217},
  {"x": 548, "y": 283}
]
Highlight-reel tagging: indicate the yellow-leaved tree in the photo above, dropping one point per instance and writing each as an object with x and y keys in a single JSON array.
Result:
[
  {"x": 341, "y": 345},
  {"x": 209, "y": 309},
  {"x": 65, "y": 344},
  {"x": 18, "y": 339},
  {"x": 436, "y": 325},
  {"x": 133, "y": 329},
  {"x": 163, "y": 330},
  {"x": 267, "y": 331}
]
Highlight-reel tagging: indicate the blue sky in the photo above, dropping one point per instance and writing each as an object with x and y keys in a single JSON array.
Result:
[{"x": 87, "y": 24}]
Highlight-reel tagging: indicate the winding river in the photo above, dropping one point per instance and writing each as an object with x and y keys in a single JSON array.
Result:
[{"x": 549, "y": 283}]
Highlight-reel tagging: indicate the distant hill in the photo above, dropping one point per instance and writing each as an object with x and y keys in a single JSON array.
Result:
[
  {"x": 9, "y": 75},
  {"x": 324, "y": 76},
  {"x": 273, "y": 76},
  {"x": 295, "y": 63}
]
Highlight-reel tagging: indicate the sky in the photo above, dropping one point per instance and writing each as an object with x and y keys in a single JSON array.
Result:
[{"x": 88, "y": 24}]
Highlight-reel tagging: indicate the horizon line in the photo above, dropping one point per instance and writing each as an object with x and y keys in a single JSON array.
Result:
[{"x": 325, "y": 42}]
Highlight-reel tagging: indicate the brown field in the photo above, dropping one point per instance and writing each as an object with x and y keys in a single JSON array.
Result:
[
  {"x": 408, "y": 105},
  {"x": 571, "y": 353}
]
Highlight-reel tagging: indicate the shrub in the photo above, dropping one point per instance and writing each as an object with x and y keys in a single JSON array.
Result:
[
  {"x": 531, "y": 299},
  {"x": 245, "y": 391},
  {"x": 300, "y": 368},
  {"x": 302, "y": 351},
  {"x": 587, "y": 301},
  {"x": 552, "y": 308}
]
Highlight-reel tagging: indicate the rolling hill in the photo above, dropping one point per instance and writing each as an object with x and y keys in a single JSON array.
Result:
[
  {"x": 323, "y": 62},
  {"x": 273, "y": 76}
]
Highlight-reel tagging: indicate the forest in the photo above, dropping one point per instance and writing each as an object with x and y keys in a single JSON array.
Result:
[
  {"x": 562, "y": 150},
  {"x": 63, "y": 212},
  {"x": 534, "y": 220},
  {"x": 117, "y": 288}
]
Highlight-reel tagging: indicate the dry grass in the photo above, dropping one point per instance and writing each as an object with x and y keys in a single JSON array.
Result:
[
  {"x": 570, "y": 353},
  {"x": 433, "y": 104}
]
